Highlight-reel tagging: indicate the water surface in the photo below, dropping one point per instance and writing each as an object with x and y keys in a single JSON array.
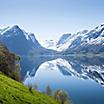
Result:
[{"x": 81, "y": 77}]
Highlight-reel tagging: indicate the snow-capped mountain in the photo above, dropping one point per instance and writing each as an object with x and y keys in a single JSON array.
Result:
[
  {"x": 58, "y": 45},
  {"x": 89, "y": 41},
  {"x": 63, "y": 39},
  {"x": 50, "y": 44},
  {"x": 18, "y": 40},
  {"x": 24, "y": 44},
  {"x": 21, "y": 42},
  {"x": 83, "y": 41}
]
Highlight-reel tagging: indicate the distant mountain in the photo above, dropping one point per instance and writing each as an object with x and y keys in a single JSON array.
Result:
[
  {"x": 83, "y": 41},
  {"x": 24, "y": 44},
  {"x": 90, "y": 41},
  {"x": 63, "y": 39},
  {"x": 50, "y": 44},
  {"x": 58, "y": 45}
]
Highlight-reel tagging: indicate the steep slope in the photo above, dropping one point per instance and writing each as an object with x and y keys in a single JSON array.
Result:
[
  {"x": 63, "y": 39},
  {"x": 71, "y": 41},
  {"x": 87, "y": 41},
  {"x": 9, "y": 63},
  {"x": 20, "y": 42},
  {"x": 23, "y": 44},
  {"x": 63, "y": 42},
  {"x": 12, "y": 92}
]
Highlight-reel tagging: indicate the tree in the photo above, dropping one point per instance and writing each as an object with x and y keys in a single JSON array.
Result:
[
  {"x": 9, "y": 63},
  {"x": 48, "y": 91},
  {"x": 61, "y": 96}
]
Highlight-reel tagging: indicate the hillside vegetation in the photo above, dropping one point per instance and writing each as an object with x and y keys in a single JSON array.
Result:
[
  {"x": 12, "y": 92},
  {"x": 9, "y": 63}
]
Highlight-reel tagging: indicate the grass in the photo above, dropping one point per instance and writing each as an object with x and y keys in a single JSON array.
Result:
[{"x": 12, "y": 92}]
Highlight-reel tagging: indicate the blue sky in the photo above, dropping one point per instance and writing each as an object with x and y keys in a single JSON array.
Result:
[{"x": 49, "y": 19}]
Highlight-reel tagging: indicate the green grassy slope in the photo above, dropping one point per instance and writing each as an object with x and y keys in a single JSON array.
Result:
[{"x": 12, "y": 92}]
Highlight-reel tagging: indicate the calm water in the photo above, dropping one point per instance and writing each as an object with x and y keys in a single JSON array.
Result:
[{"x": 81, "y": 77}]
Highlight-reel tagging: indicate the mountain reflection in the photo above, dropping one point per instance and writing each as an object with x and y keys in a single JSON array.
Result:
[
  {"x": 88, "y": 67},
  {"x": 82, "y": 67}
]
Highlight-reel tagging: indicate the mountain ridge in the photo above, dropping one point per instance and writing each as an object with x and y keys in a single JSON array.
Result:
[
  {"x": 27, "y": 46},
  {"x": 83, "y": 38},
  {"x": 23, "y": 44},
  {"x": 67, "y": 42}
]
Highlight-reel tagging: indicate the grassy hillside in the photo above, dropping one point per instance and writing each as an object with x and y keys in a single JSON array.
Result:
[{"x": 12, "y": 92}]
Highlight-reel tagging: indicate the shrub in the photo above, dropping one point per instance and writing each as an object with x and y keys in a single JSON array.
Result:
[
  {"x": 9, "y": 63},
  {"x": 61, "y": 96}
]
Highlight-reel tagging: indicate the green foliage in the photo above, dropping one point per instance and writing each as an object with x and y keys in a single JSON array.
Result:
[
  {"x": 12, "y": 92},
  {"x": 61, "y": 96},
  {"x": 9, "y": 63}
]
